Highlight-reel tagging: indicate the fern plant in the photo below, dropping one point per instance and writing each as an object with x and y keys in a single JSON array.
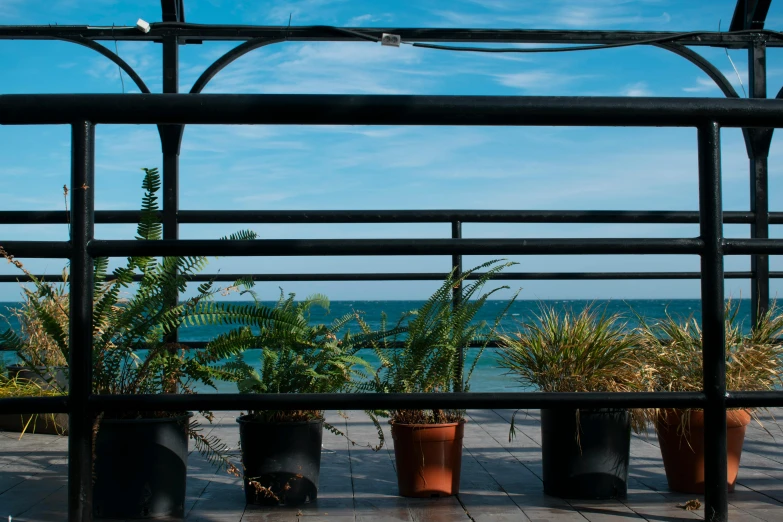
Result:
[
  {"x": 297, "y": 357},
  {"x": 426, "y": 358},
  {"x": 131, "y": 348}
]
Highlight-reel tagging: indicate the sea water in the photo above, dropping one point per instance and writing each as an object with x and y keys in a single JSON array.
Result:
[{"x": 487, "y": 375}]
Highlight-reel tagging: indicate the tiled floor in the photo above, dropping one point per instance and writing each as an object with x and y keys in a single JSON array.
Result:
[{"x": 501, "y": 481}]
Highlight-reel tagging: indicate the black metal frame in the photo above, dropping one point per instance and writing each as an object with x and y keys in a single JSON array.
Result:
[
  {"x": 706, "y": 115},
  {"x": 171, "y": 113}
]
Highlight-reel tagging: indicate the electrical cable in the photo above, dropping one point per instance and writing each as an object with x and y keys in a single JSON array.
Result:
[
  {"x": 649, "y": 41},
  {"x": 348, "y": 31},
  {"x": 734, "y": 66},
  {"x": 117, "y": 52}
]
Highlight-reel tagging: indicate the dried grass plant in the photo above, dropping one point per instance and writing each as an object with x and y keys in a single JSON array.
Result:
[
  {"x": 569, "y": 351},
  {"x": 16, "y": 387},
  {"x": 672, "y": 352},
  {"x": 41, "y": 303}
]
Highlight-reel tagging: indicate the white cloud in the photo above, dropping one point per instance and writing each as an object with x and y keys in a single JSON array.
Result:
[
  {"x": 536, "y": 80},
  {"x": 557, "y": 14},
  {"x": 636, "y": 89},
  {"x": 595, "y": 17},
  {"x": 358, "y": 21},
  {"x": 299, "y": 11},
  {"x": 703, "y": 85},
  {"x": 11, "y": 9}
]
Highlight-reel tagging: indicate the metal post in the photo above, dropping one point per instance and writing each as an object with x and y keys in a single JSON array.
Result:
[
  {"x": 80, "y": 332},
  {"x": 456, "y": 266},
  {"x": 171, "y": 139},
  {"x": 758, "y": 153},
  {"x": 713, "y": 327}
]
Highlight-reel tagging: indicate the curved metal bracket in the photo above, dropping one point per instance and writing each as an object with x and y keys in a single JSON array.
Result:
[
  {"x": 714, "y": 73},
  {"x": 122, "y": 64},
  {"x": 702, "y": 63},
  {"x": 226, "y": 59}
]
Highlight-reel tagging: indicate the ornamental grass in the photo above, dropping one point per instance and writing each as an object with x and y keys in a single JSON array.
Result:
[
  {"x": 562, "y": 350},
  {"x": 672, "y": 352},
  {"x": 17, "y": 387}
]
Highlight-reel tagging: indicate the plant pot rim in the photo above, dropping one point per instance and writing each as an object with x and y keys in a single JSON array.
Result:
[
  {"x": 735, "y": 418},
  {"x": 41, "y": 366},
  {"x": 702, "y": 409},
  {"x": 590, "y": 410},
  {"x": 430, "y": 425},
  {"x": 149, "y": 421},
  {"x": 246, "y": 419}
]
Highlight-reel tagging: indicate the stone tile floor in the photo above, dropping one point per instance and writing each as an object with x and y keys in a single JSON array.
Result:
[{"x": 501, "y": 481}]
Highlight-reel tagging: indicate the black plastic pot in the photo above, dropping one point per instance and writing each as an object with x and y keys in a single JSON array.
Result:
[
  {"x": 282, "y": 461},
  {"x": 593, "y": 467},
  {"x": 141, "y": 467}
]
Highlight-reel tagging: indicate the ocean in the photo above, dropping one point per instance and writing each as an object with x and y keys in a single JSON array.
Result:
[{"x": 487, "y": 376}]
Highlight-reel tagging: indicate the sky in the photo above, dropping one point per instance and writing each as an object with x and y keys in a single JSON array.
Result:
[{"x": 358, "y": 167}]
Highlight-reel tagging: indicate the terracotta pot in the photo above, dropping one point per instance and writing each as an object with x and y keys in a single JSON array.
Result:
[
  {"x": 428, "y": 458},
  {"x": 682, "y": 447}
]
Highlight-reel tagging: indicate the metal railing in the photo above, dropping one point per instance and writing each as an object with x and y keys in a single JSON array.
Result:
[{"x": 83, "y": 112}]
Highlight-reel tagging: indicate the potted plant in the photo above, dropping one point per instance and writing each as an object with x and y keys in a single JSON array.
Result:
[
  {"x": 281, "y": 450},
  {"x": 41, "y": 369},
  {"x": 585, "y": 452},
  {"x": 40, "y": 358},
  {"x": 48, "y": 423},
  {"x": 428, "y": 443},
  {"x": 673, "y": 354},
  {"x": 132, "y": 355}
]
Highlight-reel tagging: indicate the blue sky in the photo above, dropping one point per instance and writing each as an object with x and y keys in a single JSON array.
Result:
[{"x": 308, "y": 167}]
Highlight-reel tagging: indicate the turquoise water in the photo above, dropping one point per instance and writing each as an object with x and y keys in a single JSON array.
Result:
[{"x": 487, "y": 376}]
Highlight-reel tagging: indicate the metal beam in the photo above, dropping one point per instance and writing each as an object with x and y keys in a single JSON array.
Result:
[
  {"x": 737, "y": 247},
  {"x": 41, "y": 217},
  {"x": 759, "y": 141},
  {"x": 364, "y": 401},
  {"x": 199, "y": 32},
  {"x": 426, "y": 276},
  {"x": 80, "y": 327},
  {"x": 749, "y": 14},
  {"x": 713, "y": 324},
  {"x": 394, "y": 247},
  {"x": 337, "y": 109},
  {"x": 171, "y": 142},
  {"x": 173, "y": 10}
]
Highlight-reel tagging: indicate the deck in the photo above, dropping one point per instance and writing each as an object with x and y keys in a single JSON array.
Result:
[{"x": 501, "y": 481}]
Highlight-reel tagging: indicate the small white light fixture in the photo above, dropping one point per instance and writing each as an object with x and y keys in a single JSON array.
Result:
[
  {"x": 392, "y": 40},
  {"x": 143, "y": 26}
]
